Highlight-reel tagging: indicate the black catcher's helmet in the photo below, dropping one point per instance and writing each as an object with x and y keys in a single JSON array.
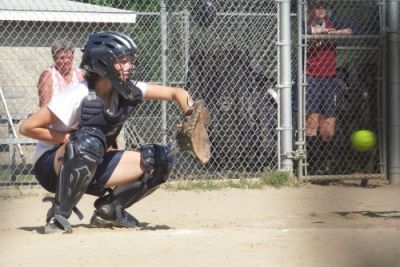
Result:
[{"x": 102, "y": 50}]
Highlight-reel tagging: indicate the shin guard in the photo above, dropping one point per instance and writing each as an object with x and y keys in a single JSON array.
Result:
[{"x": 82, "y": 156}]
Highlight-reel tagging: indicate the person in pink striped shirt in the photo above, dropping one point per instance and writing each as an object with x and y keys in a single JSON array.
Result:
[{"x": 61, "y": 74}]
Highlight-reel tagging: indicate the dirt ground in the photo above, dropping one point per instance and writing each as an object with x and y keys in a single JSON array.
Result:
[{"x": 311, "y": 225}]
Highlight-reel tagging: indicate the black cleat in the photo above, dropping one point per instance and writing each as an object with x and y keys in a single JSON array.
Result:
[
  {"x": 54, "y": 227},
  {"x": 126, "y": 220}
]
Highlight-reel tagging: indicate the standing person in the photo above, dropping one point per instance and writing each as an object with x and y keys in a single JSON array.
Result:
[
  {"x": 61, "y": 74},
  {"x": 76, "y": 129},
  {"x": 321, "y": 80}
]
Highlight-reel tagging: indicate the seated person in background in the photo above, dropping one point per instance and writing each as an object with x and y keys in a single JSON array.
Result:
[{"x": 61, "y": 74}]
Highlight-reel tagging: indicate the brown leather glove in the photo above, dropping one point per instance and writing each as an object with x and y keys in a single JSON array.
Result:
[{"x": 192, "y": 136}]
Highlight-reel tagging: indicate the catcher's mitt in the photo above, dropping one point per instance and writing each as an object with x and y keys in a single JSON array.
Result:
[{"x": 193, "y": 136}]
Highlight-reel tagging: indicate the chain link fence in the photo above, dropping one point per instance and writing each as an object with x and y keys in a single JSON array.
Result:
[
  {"x": 226, "y": 55},
  {"x": 342, "y": 93}
]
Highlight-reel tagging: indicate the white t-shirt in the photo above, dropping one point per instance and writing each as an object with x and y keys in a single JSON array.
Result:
[{"x": 65, "y": 105}]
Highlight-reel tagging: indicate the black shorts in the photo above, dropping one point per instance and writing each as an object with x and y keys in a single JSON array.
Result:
[{"x": 46, "y": 175}]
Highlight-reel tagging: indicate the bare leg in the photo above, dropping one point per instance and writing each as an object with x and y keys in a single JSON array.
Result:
[
  {"x": 312, "y": 124},
  {"x": 327, "y": 128},
  {"x": 58, "y": 159},
  {"x": 128, "y": 169},
  {"x": 313, "y": 141},
  {"x": 327, "y": 131}
]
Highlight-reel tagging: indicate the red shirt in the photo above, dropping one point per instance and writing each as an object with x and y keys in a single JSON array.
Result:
[{"x": 321, "y": 55}]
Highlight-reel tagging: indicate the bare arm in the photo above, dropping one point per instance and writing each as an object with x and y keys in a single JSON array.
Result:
[
  {"x": 45, "y": 88},
  {"x": 36, "y": 127},
  {"x": 179, "y": 95},
  {"x": 316, "y": 30},
  {"x": 81, "y": 74},
  {"x": 347, "y": 31}
]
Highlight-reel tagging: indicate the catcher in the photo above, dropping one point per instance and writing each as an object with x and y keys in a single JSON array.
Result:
[{"x": 74, "y": 155}]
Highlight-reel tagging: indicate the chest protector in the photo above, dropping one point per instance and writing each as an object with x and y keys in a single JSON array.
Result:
[{"x": 93, "y": 114}]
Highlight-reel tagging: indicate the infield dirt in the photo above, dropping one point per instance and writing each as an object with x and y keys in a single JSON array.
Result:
[{"x": 311, "y": 225}]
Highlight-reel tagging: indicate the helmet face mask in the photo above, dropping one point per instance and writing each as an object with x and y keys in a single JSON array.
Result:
[
  {"x": 125, "y": 66},
  {"x": 111, "y": 55},
  {"x": 122, "y": 75}
]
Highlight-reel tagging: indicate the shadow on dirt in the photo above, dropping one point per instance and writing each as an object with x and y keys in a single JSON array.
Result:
[
  {"x": 373, "y": 214},
  {"x": 365, "y": 183},
  {"x": 143, "y": 226}
]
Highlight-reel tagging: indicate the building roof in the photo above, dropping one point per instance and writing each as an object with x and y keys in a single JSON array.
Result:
[{"x": 62, "y": 11}]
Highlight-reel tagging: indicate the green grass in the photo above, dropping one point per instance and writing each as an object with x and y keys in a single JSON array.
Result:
[
  {"x": 278, "y": 179},
  {"x": 274, "y": 179},
  {"x": 206, "y": 183},
  {"x": 5, "y": 177},
  {"x": 16, "y": 192}
]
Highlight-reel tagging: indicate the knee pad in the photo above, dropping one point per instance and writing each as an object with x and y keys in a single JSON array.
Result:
[
  {"x": 88, "y": 143},
  {"x": 83, "y": 153},
  {"x": 158, "y": 161}
]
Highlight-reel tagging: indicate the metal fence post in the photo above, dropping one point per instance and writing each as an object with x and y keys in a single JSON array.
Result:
[
  {"x": 300, "y": 143},
  {"x": 383, "y": 108},
  {"x": 164, "y": 48},
  {"x": 285, "y": 84},
  {"x": 186, "y": 38},
  {"x": 393, "y": 35}
]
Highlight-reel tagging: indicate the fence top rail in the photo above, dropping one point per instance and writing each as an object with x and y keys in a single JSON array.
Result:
[
  {"x": 342, "y": 37},
  {"x": 16, "y": 117},
  {"x": 14, "y": 141}
]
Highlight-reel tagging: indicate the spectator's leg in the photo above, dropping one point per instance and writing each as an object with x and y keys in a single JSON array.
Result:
[
  {"x": 312, "y": 124},
  {"x": 313, "y": 155},
  {"x": 313, "y": 118},
  {"x": 313, "y": 105},
  {"x": 313, "y": 142},
  {"x": 327, "y": 128},
  {"x": 328, "y": 120},
  {"x": 327, "y": 131},
  {"x": 327, "y": 123}
]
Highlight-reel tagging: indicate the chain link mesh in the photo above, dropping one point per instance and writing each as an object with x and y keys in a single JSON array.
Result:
[
  {"x": 342, "y": 77},
  {"x": 226, "y": 55}
]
